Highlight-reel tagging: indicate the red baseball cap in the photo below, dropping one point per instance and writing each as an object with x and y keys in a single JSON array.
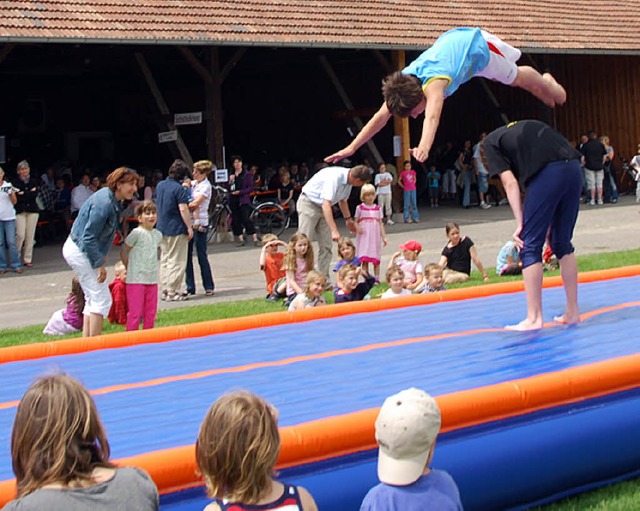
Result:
[{"x": 411, "y": 245}]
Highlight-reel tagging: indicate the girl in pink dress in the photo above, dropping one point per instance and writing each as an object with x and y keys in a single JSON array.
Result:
[{"x": 370, "y": 231}]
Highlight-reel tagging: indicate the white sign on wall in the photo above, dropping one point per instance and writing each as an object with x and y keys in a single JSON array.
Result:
[
  {"x": 167, "y": 136},
  {"x": 221, "y": 175},
  {"x": 188, "y": 118}
]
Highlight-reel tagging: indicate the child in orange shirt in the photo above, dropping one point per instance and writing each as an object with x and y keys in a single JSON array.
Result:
[{"x": 271, "y": 264}]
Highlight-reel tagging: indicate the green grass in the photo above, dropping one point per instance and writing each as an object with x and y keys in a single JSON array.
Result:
[
  {"x": 619, "y": 497},
  {"x": 222, "y": 310}
]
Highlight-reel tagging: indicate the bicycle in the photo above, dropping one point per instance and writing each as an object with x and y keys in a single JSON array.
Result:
[{"x": 267, "y": 216}]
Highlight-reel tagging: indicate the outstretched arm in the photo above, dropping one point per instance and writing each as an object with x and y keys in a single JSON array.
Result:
[
  {"x": 375, "y": 124},
  {"x": 434, "y": 92}
]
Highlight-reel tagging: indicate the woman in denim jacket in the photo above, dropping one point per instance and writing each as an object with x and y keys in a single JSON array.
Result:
[{"x": 88, "y": 244}]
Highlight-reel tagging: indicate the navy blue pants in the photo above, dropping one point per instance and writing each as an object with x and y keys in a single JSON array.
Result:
[
  {"x": 200, "y": 241},
  {"x": 552, "y": 201}
]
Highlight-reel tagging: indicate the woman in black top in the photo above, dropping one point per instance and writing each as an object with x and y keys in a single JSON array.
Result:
[{"x": 457, "y": 256}]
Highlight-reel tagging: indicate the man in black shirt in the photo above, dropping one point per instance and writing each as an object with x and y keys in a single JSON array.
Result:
[
  {"x": 531, "y": 156},
  {"x": 593, "y": 153}
]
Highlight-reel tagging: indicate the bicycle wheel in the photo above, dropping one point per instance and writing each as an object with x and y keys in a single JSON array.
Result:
[
  {"x": 270, "y": 217},
  {"x": 219, "y": 221}
]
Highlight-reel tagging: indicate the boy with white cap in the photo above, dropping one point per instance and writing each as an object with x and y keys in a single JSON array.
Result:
[{"x": 406, "y": 432}]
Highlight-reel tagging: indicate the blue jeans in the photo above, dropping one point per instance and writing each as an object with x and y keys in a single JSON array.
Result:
[
  {"x": 410, "y": 202},
  {"x": 609, "y": 188},
  {"x": 466, "y": 192},
  {"x": 8, "y": 241},
  {"x": 200, "y": 240}
]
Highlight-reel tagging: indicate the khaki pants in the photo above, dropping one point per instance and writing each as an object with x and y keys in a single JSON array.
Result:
[
  {"x": 454, "y": 277},
  {"x": 26, "y": 224},
  {"x": 173, "y": 263},
  {"x": 312, "y": 223}
]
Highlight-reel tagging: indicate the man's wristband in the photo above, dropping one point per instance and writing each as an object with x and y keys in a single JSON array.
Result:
[{"x": 348, "y": 218}]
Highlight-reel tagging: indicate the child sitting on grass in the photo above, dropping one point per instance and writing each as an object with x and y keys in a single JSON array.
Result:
[
  {"x": 69, "y": 319},
  {"x": 508, "y": 261},
  {"x": 349, "y": 290},
  {"x": 312, "y": 296},
  {"x": 271, "y": 263},
  {"x": 407, "y": 260},
  {"x": 395, "y": 279},
  {"x": 435, "y": 280},
  {"x": 118, "y": 289}
]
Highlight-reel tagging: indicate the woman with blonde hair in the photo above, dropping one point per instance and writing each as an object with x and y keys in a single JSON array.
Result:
[
  {"x": 89, "y": 242},
  {"x": 60, "y": 455},
  {"x": 236, "y": 452}
]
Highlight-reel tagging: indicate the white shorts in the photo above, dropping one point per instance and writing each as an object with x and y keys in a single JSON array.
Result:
[
  {"x": 502, "y": 63},
  {"x": 97, "y": 297}
]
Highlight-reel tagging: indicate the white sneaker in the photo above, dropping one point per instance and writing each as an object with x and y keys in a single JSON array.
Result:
[
  {"x": 503, "y": 202},
  {"x": 390, "y": 222},
  {"x": 484, "y": 205},
  {"x": 637, "y": 199},
  {"x": 600, "y": 203},
  {"x": 592, "y": 202}
]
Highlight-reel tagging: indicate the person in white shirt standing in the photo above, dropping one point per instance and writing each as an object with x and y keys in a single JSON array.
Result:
[
  {"x": 327, "y": 187},
  {"x": 383, "y": 182}
]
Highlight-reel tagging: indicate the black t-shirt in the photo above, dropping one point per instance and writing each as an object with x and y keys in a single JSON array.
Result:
[
  {"x": 285, "y": 190},
  {"x": 525, "y": 148},
  {"x": 593, "y": 151},
  {"x": 458, "y": 257}
]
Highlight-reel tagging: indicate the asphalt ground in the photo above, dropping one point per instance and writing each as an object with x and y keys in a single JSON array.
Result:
[{"x": 31, "y": 298}]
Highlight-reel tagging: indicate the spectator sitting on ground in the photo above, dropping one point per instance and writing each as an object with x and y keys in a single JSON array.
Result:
[
  {"x": 433, "y": 276},
  {"x": 508, "y": 261},
  {"x": 407, "y": 260},
  {"x": 349, "y": 290},
  {"x": 312, "y": 295},
  {"x": 395, "y": 279},
  {"x": 406, "y": 431},
  {"x": 271, "y": 263},
  {"x": 457, "y": 256}
]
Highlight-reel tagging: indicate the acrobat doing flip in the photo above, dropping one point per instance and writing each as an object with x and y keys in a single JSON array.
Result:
[{"x": 457, "y": 56}]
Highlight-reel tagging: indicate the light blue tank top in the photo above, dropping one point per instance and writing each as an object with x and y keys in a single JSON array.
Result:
[{"x": 456, "y": 56}]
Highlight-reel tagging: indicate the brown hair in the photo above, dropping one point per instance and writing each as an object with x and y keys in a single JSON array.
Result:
[
  {"x": 431, "y": 267},
  {"x": 361, "y": 172},
  {"x": 402, "y": 93},
  {"x": 342, "y": 272},
  {"x": 345, "y": 242},
  {"x": 238, "y": 446},
  {"x": 121, "y": 175},
  {"x": 78, "y": 293},
  {"x": 289, "y": 263},
  {"x": 450, "y": 227},
  {"x": 392, "y": 270},
  {"x": 57, "y": 435},
  {"x": 146, "y": 206}
]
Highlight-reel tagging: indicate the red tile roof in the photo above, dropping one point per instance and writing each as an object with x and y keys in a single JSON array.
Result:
[{"x": 532, "y": 25}]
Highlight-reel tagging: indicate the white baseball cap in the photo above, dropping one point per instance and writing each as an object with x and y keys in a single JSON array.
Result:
[{"x": 406, "y": 429}]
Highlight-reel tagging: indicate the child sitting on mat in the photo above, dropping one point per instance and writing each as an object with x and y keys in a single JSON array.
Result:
[{"x": 69, "y": 319}]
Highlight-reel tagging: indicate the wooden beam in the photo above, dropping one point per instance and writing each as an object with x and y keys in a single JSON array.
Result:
[
  {"x": 383, "y": 61},
  {"x": 231, "y": 64},
  {"x": 215, "y": 132},
  {"x": 347, "y": 102},
  {"x": 162, "y": 106},
  {"x": 195, "y": 63},
  {"x": 401, "y": 125},
  {"x": 494, "y": 101}
]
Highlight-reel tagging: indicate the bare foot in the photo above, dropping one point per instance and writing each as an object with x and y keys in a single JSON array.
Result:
[
  {"x": 524, "y": 325},
  {"x": 566, "y": 320},
  {"x": 558, "y": 93}
]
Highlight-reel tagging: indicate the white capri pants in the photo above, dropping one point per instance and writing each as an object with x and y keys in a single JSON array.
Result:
[
  {"x": 594, "y": 178},
  {"x": 97, "y": 297}
]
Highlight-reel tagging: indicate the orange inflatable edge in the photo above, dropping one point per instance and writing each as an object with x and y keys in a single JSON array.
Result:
[
  {"x": 175, "y": 468},
  {"x": 220, "y": 326}
]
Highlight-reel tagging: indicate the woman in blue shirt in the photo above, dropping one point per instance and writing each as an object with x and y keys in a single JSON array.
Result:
[{"x": 88, "y": 244}]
